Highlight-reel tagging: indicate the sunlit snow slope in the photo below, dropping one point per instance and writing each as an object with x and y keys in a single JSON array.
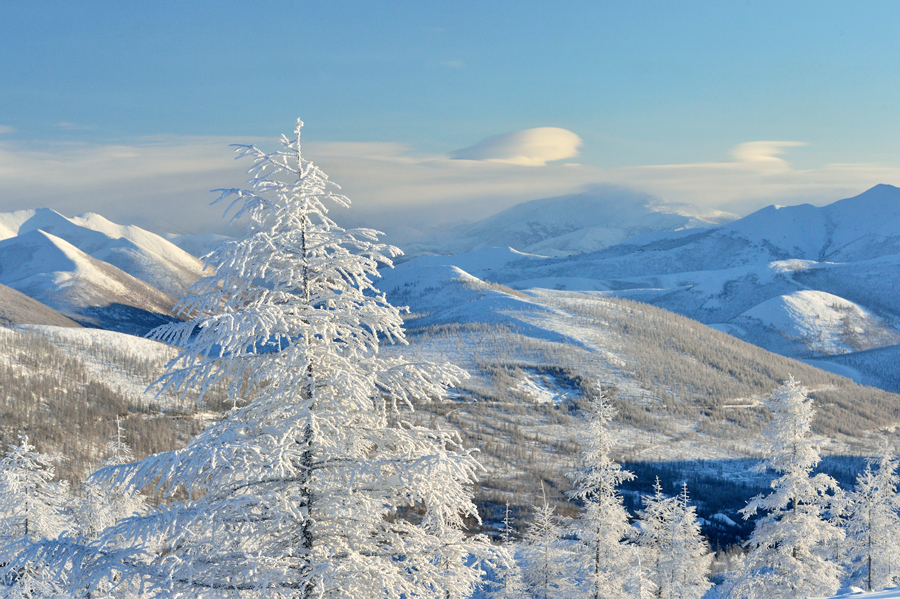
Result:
[{"x": 803, "y": 281}]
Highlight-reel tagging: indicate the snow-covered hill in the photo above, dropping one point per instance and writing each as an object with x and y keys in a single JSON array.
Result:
[
  {"x": 802, "y": 281},
  {"x": 90, "y": 291},
  {"x": 573, "y": 224},
  {"x": 683, "y": 391},
  {"x": 65, "y": 387},
  {"x": 143, "y": 255},
  {"x": 17, "y": 308}
]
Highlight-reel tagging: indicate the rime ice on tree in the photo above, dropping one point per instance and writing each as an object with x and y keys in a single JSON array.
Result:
[
  {"x": 312, "y": 486},
  {"x": 676, "y": 555},
  {"x": 792, "y": 547},
  {"x": 873, "y": 525},
  {"x": 547, "y": 571},
  {"x": 603, "y": 524}
]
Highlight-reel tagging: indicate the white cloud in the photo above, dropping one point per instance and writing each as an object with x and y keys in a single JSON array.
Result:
[
  {"x": 6, "y": 129},
  {"x": 453, "y": 64},
  {"x": 763, "y": 152},
  {"x": 529, "y": 147},
  {"x": 165, "y": 183}
]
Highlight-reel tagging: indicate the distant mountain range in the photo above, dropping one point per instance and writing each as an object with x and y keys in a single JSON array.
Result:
[
  {"x": 93, "y": 271},
  {"x": 803, "y": 281},
  {"x": 573, "y": 224},
  {"x": 806, "y": 282}
]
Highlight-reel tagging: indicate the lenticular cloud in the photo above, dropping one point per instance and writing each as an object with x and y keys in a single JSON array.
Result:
[{"x": 529, "y": 147}]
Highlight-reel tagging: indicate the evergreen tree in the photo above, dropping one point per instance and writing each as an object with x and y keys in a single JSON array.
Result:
[
  {"x": 873, "y": 525},
  {"x": 313, "y": 485},
  {"x": 548, "y": 561},
  {"x": 509, "y": 583},
  {"x": 675, "y": 553},
  {"x": 32, "y": 508},
  {"x": 792, "y": 545},
  {"x": 100, "y": 505},
  {"x": 603, "y": 524},
  {"x": 32, "y": 505}
]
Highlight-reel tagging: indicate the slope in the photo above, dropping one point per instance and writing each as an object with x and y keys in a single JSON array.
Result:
[
  {"x": 64, "y": 388},
  {"x": 89, "y": 291},
  {"x": 683, "y": 391},
  {"x": 143, "y": 255},
  {"x": 18, "y": 308},
  {"x": 732, "y": 276}
]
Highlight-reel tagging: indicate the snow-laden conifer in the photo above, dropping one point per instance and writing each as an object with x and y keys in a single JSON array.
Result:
[
  {"x": 508, "y": 583},
  {"x": 549, "y": 565},
  {"x": 873, "y": 525},
  {"x": 603, "y": 524},
  {"x": 313, "y": 485},
  {"x": 32, "y": 505},
  {"x": 32, "y": 508},
  {"x": 100, "y": 504},
  {"x": 676, "y": 555},
  {"x": 791, "y": 551}
]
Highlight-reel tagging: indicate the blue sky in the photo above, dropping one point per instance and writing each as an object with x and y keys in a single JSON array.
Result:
[{"x": 125, "y": 107}]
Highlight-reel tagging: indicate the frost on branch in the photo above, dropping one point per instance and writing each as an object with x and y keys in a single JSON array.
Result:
[
  {"x": 873, "y": 525},
  {"x": 792, "y": 547},
  {"x": 313, "y": 485},
  {"x": 603, "y": 525}
]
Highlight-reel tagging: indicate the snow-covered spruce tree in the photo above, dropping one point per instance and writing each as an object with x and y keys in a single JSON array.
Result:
[
  {"x": 792, "y": 546},
  {"x": 548, "y": 563},
  {"x": 676, "y": 556},
  {"x": 637, "y": 584},
  {"x": 100, "y": 505},
  {"x": 508, "y": 583},
  {"x": 603, "y": 525},
  {"x": 32, "y": 505},
  {"x": 32, "y": 508},
  {"x": 313, "y": 485},
  {"x": 873, "y": 525}
]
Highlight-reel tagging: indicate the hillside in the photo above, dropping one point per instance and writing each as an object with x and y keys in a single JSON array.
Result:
[
  {"x": 683, "y": 391},
  {"x": 85, "y": 289},
  {"x": 802, "y": 281},
  {"x": 64, "y": 388},
  {"x": 18, "y": 308}
]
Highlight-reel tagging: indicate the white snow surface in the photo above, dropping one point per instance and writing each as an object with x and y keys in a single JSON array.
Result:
[
  {"x": 140, "y": 253},
  {"x": 817, "y": 318},
  {"x": 57, "y": 273}
]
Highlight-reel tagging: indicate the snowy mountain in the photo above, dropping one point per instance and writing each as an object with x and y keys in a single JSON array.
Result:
[
  {"x": 803, "y": 281},
  {"x": 87, "y": 290},
  {"x": 143, "y": 255},
  {"x": 687, "y": 395},
  {"x": 17, "y": 308},
  {"x": 573, "y": 224}
]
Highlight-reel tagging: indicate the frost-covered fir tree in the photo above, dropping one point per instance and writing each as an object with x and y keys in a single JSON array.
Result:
[
  {"x": 100, "y": 505},
  {"x": 637, "y": 584},
  {"x": 792, "y": 546},
  {"x": 32, "y": 505},
  {"x": 313, "y": 485},
  {"x": 603, "y": 525},
  {"x": 873, "y": 525},
  {"x": 548, "y": 564},
  {"x": 508, "y": 583},
  {"x": 676, "y": 555}
]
